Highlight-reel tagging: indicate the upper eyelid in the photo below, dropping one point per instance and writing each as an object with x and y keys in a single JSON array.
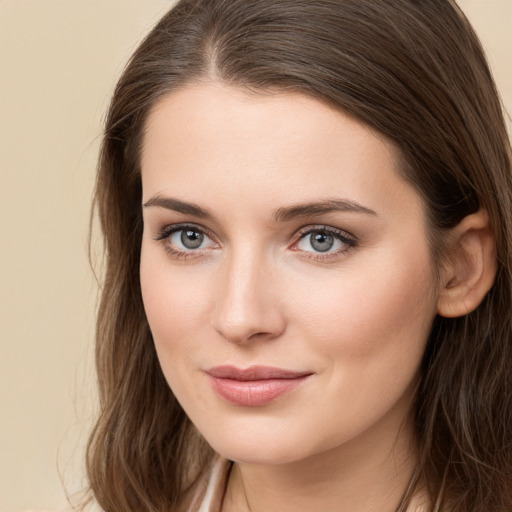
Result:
[
  {"x": 173, "y": 228},
  {"x": 329, "y": 229}
]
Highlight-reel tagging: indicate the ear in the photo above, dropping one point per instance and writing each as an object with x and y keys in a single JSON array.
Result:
[{"x": 470, "y": 266}]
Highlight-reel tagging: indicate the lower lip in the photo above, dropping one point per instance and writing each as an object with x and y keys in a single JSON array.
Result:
[{"x": 254, "y": 393}]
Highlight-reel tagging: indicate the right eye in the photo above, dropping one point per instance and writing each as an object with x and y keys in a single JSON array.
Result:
[{"x": 182, "y": 240}]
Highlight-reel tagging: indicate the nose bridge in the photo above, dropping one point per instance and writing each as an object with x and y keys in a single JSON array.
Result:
[{"x": 246, "y": 307}]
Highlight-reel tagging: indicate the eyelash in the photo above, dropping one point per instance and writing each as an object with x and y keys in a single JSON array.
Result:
[{"x": 342, "y": 236}]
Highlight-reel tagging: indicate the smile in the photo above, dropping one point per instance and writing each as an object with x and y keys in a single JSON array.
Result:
[{"x": 254, "y": 386}]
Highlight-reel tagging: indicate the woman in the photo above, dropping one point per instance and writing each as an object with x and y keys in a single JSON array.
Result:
[{"x": 306, "y": 210}]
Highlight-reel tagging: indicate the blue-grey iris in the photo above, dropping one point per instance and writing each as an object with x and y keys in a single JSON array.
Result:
[
  {"x": 191, "y": 238},
  {"x": 321, "y": 241}
]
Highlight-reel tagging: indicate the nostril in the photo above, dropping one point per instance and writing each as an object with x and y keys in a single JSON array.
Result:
[
  {"x": 259, "y": 335},
  {"x": 253, "y": 329}
]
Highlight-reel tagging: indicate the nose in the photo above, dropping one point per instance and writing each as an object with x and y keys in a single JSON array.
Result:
[{"x": 248, "y": 306}]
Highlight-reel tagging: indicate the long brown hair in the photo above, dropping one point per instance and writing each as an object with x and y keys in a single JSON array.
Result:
[{"x": 414, "y": 71}]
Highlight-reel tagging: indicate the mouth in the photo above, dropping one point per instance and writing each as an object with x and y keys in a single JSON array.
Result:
[{"x": 255, "y": 386}]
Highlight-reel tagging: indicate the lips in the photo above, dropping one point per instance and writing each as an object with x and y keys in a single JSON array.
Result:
[{"x": 254, "y": 386}]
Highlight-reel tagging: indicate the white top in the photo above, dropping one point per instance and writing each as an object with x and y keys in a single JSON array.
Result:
[{"x": 210, "y": 494}]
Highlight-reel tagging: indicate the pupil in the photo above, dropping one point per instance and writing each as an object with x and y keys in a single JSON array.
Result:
[
  {"x": 191, "y": 239},
  {"x": 322, "y": 242}
]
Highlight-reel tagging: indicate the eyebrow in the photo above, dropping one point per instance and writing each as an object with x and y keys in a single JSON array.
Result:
[
  {"x": 284, "y": 214},
  {"x": 176, "y": 205},
  {"x": 319, "y": 208}
]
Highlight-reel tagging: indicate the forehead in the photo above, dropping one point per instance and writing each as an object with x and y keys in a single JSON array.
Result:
[
  {"x": 220, "y": 141},
  {"x": 212, "y": 109}
]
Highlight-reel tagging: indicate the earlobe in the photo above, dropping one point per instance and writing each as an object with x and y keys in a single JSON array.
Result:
[{"x": 470, "y": 266}]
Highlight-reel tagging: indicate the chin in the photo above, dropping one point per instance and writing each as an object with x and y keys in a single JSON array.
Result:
[
  {"x": 261, "y": 444},
  {"x": 253, "y": 453}
]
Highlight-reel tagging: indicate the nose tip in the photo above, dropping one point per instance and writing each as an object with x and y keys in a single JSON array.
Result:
[
  {"x": 249, "y": 319},
  {"x": 243, "y": 329},
  {"x": 247, "y": 308}
]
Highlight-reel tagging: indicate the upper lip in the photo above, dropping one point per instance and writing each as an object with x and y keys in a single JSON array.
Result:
[{"x": 254, "y": 373}]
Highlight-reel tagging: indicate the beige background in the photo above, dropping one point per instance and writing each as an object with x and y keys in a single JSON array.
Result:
[{"x": 58, "y": 64}]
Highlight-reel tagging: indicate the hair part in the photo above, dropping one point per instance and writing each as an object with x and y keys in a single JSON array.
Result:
[{"x": 415, "y": 72}]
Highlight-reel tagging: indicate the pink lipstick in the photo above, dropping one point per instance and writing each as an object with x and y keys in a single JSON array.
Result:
[{"x": 254, "y": 386}]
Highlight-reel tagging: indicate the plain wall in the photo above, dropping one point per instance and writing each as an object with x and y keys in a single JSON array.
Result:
[{"x": 58, "y": 63}]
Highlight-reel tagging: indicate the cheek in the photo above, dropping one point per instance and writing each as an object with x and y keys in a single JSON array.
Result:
[
  {"x": 175, "y": 303},
  {"x": 175, "y": 300},
  {"x": 369, "y": 331},
  {"x": 380, "y": 314}
]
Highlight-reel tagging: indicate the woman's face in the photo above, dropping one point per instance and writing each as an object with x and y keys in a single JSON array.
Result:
[{"x": 285, "y": 273}]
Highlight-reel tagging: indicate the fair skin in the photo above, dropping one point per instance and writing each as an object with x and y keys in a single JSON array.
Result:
[{"x": 235, "y": 272}]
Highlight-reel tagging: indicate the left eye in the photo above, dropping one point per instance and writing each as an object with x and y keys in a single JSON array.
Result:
[
  {"x": 190, "y": 239},
  {"x": 323, "y": 241}
]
